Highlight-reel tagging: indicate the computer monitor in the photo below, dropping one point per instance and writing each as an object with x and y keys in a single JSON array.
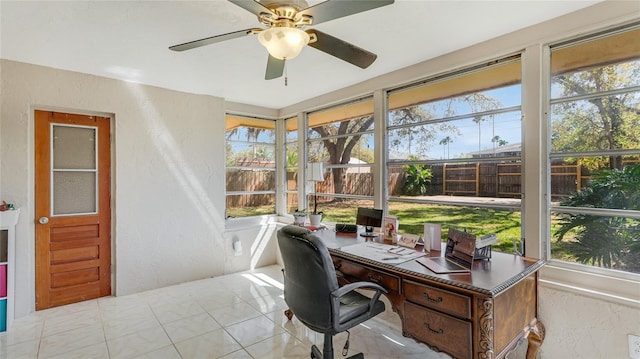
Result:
[{"x": 369, "y": 218}]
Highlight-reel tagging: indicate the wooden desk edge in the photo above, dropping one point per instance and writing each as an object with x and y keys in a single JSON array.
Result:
[{"x": 534, "y": 332}]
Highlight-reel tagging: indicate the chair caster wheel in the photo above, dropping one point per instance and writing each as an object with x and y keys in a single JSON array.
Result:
[{"x": 288, "y": 313}]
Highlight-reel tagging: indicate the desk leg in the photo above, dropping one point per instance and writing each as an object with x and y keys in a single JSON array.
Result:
[{"x": 536, "y": 336}]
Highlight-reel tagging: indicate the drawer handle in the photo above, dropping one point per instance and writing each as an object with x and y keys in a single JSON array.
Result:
[
  {"x": 375, "y": 280},
  {"x": 429, "y": 299},
  {"x": 439, "y": 331}
]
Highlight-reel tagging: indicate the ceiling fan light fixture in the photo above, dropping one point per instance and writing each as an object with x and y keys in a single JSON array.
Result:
[{"x": 283, "y": 43}]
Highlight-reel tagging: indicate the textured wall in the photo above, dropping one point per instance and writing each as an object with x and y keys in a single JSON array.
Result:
[
  {"x": 168, "y": 174},
  {"x": 586, "y": 328}
]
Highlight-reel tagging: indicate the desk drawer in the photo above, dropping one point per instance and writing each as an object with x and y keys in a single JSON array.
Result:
[
  {"x": 350, "y": 269},
  {"x": 447, "y": 333},
  {"x": 439, "y": 299}
]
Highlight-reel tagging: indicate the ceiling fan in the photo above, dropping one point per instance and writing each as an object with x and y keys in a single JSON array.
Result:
[{"x": 284, "y": 36}]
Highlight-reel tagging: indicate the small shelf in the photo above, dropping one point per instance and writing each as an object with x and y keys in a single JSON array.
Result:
[{"x": 8, "y": 221}]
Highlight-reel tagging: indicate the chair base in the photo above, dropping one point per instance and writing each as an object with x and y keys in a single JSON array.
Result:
[
  {"x": 317, "y": 354},
  {"x": 327, "y": 349}
]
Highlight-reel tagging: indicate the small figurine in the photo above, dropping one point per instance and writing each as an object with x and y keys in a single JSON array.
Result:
[{"x": 3, "y": 206}]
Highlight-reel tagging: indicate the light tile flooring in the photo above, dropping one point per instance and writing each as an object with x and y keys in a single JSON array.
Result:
[{"x": 234, "y": 316}]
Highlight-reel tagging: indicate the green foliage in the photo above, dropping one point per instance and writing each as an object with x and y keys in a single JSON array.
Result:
[
  {"x": 418, "y": 178},
  {"x": 599, "y": 123},
  {"x": 606, "y": 241},
  {"x": 618, "y": 189},
  {"x": 339, "y": 139},
  {"x": 292, "y": 161}
]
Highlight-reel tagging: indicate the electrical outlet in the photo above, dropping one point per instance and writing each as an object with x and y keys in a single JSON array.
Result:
[{"x": 634, "y": 346}]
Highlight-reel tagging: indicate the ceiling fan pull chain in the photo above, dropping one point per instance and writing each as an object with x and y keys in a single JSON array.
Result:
[{"x": 286, "y": 74}]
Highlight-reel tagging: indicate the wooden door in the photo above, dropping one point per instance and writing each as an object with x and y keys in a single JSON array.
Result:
[{"x": 72, "y": 208}]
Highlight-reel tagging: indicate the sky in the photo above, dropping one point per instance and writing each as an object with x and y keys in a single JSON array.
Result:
[{"x": 508, "y": 126}]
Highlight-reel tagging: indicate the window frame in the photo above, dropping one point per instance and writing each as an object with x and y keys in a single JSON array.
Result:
[
  {"x": 274, "y": 169},
  {"x": 535, "y": 63},
  {"x": 356, "y": 102},
  {"x": 595, "y": 282},
  {"x": 470, "y": 71}
]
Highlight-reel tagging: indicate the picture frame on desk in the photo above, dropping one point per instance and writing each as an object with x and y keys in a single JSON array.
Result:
[{"x": 390, "y": 227}]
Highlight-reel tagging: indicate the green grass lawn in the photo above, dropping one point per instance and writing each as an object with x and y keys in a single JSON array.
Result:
[{"x": 505, "y": 224}]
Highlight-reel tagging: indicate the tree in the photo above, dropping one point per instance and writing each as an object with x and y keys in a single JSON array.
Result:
[
  {"x": 478, "y": 120},
  {"x": 339, "y": 147},
  {"x": 602, "y": 122},
  {"x": 340, "y": 138},
  {"x": 606, "y": 241},
  {"x": 605, "y": 117},
  {"x": 416, "y": 140},
  {"x": 445, "y": 142},
  {"x": 497, "y": 142},
  {"x": 479, "y": 102}
]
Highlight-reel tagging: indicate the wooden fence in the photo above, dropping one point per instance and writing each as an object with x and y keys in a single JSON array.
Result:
[
  {"x": 501, "y": 180},
  {"x": 250, "y": 180}
]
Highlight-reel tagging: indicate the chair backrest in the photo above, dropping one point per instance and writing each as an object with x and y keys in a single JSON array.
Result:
[{"x": 309, "y": 277}]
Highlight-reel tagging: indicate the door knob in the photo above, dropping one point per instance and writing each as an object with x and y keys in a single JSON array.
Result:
[{"x": 43, "y": 220}]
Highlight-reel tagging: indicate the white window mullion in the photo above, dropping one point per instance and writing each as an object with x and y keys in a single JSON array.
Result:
[{"x": 535, "y": 182}]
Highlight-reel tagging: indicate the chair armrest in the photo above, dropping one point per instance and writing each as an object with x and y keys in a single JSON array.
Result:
[
  {"x": 365, "y": 285},
  {"x": 353, "y": 286}
]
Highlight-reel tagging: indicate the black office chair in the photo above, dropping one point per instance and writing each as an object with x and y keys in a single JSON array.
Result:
[{"x": 312, "y": 293}]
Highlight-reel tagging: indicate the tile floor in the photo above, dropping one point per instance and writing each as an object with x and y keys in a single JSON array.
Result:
[{"x": 234, "y": 316}]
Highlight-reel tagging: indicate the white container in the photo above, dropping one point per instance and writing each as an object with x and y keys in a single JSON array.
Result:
[
  {"x": 299, "y": 218},
  {"x": 315, "y": 219},
  {"x": 432, "y": 236}
]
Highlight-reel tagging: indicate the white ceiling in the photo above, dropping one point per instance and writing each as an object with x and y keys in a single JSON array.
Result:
[{"x": 129, "y": 40}]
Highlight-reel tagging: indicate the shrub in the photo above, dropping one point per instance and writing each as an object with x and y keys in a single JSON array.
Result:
[{"x": 418, "y": 178}]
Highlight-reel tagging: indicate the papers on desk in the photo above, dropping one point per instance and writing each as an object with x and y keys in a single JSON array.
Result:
[{"x": 383, "y": 253}]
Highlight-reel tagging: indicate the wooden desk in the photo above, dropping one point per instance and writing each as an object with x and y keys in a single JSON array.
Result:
[{"x": 479, "y": 315}]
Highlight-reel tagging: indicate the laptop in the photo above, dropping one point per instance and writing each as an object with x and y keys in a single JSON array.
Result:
[{"x": 458, "y": 258}]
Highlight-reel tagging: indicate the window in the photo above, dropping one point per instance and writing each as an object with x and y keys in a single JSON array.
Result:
[
  {"x": 454, "y": 153},
  {"x": 341, "y": 137},
  {"x": 594, "y": 119},
  {"x": 250, "y": 166},
  {"x": 292, "y": 157}
]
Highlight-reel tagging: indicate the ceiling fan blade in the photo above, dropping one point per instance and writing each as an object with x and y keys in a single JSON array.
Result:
[
  {"x": 212, "y": 40},
  {"x": 275, "y": 68},
  {"x": 329, "y": 10},
  {"x": 342, "y": 49},
  {"x": 253, "y": 7}
]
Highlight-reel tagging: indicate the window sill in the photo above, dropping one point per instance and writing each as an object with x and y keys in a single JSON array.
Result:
[
  {"x": 598, "y": 286},
  {"x": 245, "y": 222}
]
